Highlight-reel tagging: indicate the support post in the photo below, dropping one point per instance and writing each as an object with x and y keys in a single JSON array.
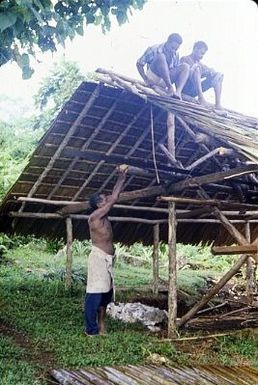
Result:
[
  {"x": 250, "y": 270},
  {"x": 172, "y": 289},
  {"x": 155, "y": 259},
  {"x": 171, "y": 134},
  {"x": 69, "y": 260}
]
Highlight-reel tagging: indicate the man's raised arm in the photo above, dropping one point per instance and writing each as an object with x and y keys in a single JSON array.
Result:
[
  {"x": 111, "y": 199},
  {"x": 122, "y": 170}
]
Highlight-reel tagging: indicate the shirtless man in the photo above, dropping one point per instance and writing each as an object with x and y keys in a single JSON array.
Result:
[
  {"x": 99, "y": 291},
  {"x": 163, "y": 67},
  {"x": 201, "y": 77}
]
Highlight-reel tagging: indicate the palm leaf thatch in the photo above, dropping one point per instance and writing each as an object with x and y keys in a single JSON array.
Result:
[{"x": 238, "y": 130}]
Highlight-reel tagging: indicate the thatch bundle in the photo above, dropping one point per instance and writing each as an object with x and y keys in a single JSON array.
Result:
[{"x": 237, "y": 130}]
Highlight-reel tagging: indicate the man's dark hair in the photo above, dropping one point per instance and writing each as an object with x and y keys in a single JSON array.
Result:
[
  {"x": 94, "y": 200},
  {"x": 200, "y": 44},
  {"x": 175, "y": 37}
]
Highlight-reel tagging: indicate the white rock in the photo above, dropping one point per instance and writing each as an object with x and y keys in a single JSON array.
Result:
[{"x": 137, "y": 312}]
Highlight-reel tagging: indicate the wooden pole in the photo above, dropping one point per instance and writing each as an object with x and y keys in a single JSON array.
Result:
[
  {"x": 250, "y": 270},
  {"x": 121, "y": 219},
  {"x": 171, "y": 134},
  {"x": 172, "y": 290},
  {"x": 69, "y": 259},
  {"x": 156, "y": 259}
]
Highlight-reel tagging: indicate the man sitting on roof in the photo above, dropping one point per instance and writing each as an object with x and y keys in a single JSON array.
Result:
[
  {"x": 163, "y": 67},
  {"x": 201, "y": 77}
]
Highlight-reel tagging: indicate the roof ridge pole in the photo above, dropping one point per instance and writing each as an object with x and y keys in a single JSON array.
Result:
[
  {"x": 155, "y": 256},
  {"x": 172, "y": 283},
  {"x": 69, "y": 257},
  {"x": 251, "y": 285}
]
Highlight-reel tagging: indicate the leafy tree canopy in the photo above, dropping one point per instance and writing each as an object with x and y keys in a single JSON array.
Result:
[
  {"x": 27, "y": 25},
  {"x": 55, "y": 89}
]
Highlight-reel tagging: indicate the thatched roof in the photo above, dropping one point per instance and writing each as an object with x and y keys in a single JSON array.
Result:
[{"x": 109, "y": 122}]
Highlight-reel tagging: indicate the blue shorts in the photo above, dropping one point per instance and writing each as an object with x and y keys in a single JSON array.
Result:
[
  {"x": 207, "y": 83},
  {"x": 93, "y": 301}
]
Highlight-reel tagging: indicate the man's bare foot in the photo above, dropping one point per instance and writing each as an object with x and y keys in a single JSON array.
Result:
[
  {"x": 90, "y": 335},
  {"x": 177, "y": 95},
  {"x": 203, "y": 102},
  {"x": 170, "y": 91},
  {"x": 218, "y": 107}
]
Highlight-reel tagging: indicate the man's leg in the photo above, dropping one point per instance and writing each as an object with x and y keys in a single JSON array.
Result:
[
  {"x": 92, "y": 304},
  {"x": 159, "y": 67},
  {"x": 179, "y": 75},
  {"x": 214, "y": 81},
  {"x": 218, "y": 79},
  {"x": 106, "y": 299},
  {"x": 197, "y": 81},
  {"x": 101, "y": 319}
]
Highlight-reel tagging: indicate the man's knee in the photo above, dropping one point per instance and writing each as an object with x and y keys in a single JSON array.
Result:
[{"x": 184, "y": 67}]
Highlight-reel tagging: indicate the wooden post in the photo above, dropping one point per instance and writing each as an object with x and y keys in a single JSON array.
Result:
[
  {"x": 172, "y": 290},
  {"x": 171, "y": 134},
  {"x": 156, "y": 259},
  {"x": 69, "y": 260},
  {"x": 250, "y": 270}
]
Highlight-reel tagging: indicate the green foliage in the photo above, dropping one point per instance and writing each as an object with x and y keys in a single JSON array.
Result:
[
  {"x": 8, "y": 243},
  {"x": 59, "y": 85},
  {"x": 19, "y": 138},
  {"x": 43, "y": 24},
  {"x": 17, "y": 141},
  {"x": 230, "y": 347},
  {"x": 22, "y": 373},
  {"x": 55, "y": 90}
]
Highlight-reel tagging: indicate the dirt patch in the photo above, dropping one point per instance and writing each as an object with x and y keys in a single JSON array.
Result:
[{"x": 42, "y": 358}]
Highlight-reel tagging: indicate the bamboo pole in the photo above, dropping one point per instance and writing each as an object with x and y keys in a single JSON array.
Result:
[
  {"x": 69, "y": 259},
  {"x": 171, "y": 134},
  {"x": 216, "y": 151},
  {"x": 172, "y": 290},
  {"x": 214, "y": 177},
  {"x": 231, "y": 250},
  {"x": 213, "y": 202},
  {"x": 183, "y": 213},
  {"x": 120, "y": 219},
  {"x": 156, "y": 259},
  {"x": 250, "y": 270}
]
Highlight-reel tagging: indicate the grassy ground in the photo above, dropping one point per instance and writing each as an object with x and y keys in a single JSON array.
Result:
[{"x": 41, "y": 323}]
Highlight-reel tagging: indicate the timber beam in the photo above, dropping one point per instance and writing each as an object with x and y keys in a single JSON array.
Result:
[
  {"x": 240, "y": 249},
  {"x": 214, "y": 177}
]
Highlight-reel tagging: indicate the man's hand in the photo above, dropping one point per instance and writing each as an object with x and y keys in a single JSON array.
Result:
[{"x": 122, "y": 169}]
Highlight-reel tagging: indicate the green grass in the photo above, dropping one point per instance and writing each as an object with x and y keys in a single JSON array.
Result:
[
  {"x": 34, "y": 301},
  {"x": 14, "y": 369}
]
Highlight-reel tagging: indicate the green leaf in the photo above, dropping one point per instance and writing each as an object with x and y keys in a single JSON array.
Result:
[
  {"x": 27, "y": 72},
  {"x": 25, "y": 60},
  {"x": 80, "y": 30},
  {"x": 98, "y": 19},
  {"x": 7, "y": 19},
  {"x": 121, "y": 17}
]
